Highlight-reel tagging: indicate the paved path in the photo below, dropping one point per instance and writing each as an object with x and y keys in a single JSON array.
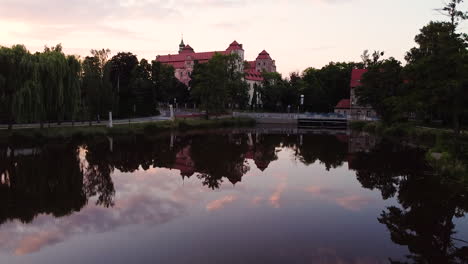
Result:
[{"x": 94, "y": 123}]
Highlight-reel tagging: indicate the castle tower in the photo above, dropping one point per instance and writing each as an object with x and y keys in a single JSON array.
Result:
[
  {"x": 181, "y": 45},
  {"x": 265, "y": 63}
]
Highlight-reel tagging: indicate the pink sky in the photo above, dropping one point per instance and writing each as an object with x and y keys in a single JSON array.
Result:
[{"x": 297, "y": 33}]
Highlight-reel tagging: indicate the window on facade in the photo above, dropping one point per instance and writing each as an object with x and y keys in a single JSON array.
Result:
[{"x": 368, "y": 113}]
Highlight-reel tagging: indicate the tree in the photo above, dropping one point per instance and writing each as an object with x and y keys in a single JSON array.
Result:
[
  {"x": 167, "y": 86},
  {"x": 315, "y": 95},
  {"x": 272, "y": 91},
  {"x": 121, "y": 75},
  {"x": 438, "y": 71},
  {"x": 218, "y": 83},
  {"x": 143, "y": 89},
  {"x": 382, "y": 89}
]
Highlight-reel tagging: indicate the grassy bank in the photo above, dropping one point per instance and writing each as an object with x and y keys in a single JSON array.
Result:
[
  {"x": 37, "y": 134},
  {"x": 422, "y": 136},
  {"x": 445, "y": 152}
]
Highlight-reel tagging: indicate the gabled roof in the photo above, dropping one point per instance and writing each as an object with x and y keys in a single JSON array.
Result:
[
  {"x": 263, "y": 55},
  {"x": 234, "y": 46},
  {"x": 343, "y": 104},
  {"x": 187, "y": 49},
  {"x": 200, "y": 56},
  {"x": 253, "y": 75},
  {"x": 356, "y": 77}
]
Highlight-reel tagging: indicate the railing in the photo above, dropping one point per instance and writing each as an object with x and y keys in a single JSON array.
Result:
[{"x": 321, "y": 116}]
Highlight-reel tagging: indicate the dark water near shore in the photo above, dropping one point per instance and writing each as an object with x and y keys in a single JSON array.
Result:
[{"x": 225, "y": 196}]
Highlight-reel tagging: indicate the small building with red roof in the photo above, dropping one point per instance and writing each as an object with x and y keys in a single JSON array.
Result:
[
  {"x": 184, "y": 62},
  {"x": 357, "y": 111},
  {"x": 343, "y": 107}
]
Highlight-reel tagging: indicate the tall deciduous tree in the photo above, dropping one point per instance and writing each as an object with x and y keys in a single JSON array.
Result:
[
  {"x": 218, "y": 83},
  {"x": 382, "y": 89},
  {"x": 438, "y": 69},
  {"x": 122, "y": 69}
]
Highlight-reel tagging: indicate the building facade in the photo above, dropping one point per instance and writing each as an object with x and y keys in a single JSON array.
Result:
[
  {"x": 184, "y": 62},
  {"x": 343, "y": 107},
  {"x": 357, "y": 111}
]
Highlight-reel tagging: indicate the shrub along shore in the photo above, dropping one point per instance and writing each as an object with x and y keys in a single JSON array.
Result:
[
  {"x": 148, "y": 128},
  {"x": 447, "y": 152}
]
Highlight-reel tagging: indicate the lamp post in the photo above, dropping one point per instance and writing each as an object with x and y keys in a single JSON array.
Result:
[{"x": 302, "y": 100}]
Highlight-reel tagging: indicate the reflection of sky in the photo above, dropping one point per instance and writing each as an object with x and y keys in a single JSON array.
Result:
[{"x": 288, "y": 212}]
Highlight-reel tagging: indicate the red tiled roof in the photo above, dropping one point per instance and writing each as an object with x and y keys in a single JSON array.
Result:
[
  {"x": 187, "y": 49},
  {"x": 253, "y": 75},
  {"x": 200, "y": 56},
  {"x": 356, "y": 76},
  {"x": 234, "y": 46},
  {"x": 178, "y": 64},
  {"x": 263, "y": 55},
  {"x": 343, "y": 104}
]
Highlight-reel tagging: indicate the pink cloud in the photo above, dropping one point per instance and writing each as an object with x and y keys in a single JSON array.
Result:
[
  {"x": 276, "y": 196},
  {"x": 352, "y": 202},
  {"x": 35, "y": 242},
  {"x": 220, "y": 203},
  {"x": 257, "y": 200}
]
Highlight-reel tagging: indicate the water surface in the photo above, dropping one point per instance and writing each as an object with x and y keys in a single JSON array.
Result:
[{"x": 225, "y": 196}]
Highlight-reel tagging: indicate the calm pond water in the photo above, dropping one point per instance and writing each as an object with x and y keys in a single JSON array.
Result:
[{"x": 227, "y": 196}]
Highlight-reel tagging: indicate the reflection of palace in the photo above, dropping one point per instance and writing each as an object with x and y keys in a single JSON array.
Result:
[{"x": 59, "y": 179}]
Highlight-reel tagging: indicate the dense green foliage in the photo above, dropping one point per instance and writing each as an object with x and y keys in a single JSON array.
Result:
[
  {"x": 50, "y": 86},
  {"x": 322, "y": 88},
  {"x": 219, "y": 83},
  {"x": 433, "y": 85}
]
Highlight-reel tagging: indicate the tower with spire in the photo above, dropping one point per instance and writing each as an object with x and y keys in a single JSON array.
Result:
[{"x": 181, "y": 45}]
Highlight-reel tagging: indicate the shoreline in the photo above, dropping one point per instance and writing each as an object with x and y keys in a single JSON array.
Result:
[{"x": 147, "y": 128}]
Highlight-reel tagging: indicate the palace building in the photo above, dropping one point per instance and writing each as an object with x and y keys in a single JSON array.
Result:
[{"x": 184, "y": 61}]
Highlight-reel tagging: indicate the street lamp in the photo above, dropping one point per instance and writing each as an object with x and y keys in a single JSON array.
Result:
[{"x": 302, "y": 101}]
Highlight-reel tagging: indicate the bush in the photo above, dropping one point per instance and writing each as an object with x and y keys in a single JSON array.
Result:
[{"x": 357, "y": 125}]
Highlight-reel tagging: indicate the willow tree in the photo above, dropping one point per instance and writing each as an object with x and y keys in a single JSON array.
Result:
[
  {"x": 12, "y": 81},
  {"x": 72, "y": 88},
  {"x": 53, "y": 71}
]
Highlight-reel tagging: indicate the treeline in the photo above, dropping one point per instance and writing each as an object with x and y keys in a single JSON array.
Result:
[
  {"x": 50, "y": 86},
  {"x": 432, "y": 86},
  {"x": 322, "y": 89},
  {"x": 219, "y": 84}
]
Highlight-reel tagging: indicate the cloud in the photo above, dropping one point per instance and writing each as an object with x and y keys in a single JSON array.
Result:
[
  {"x": 54, "y": 19},
  {"x": 220, "y": 203},
  {"x": 352, "y": 202},
  {"x": 276, "y": 196},
  {"x": 82, "y": 11}
]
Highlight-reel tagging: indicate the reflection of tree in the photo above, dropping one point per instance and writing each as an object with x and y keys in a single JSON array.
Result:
[
  {"x": 218, "y": 156},
  {"x": 265, "y": 150},
  {"x": 97, "y": 173},
  {"x": 326, "y": 148},
  {"x": 429, "y": 203},
  {"x": 46, "y": 181}
]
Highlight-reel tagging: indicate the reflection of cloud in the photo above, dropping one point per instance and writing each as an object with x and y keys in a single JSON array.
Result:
[
  {"x": 276, "y": 196},
  {"x": 143, "y": 199},
  {"x": 220, "y": 203},
  {"x": 257, "y": 200},
  {"x": 352, "y": 202},
  {"x": 327, "y": 255},
  {"x": 33, "y": 243}
]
